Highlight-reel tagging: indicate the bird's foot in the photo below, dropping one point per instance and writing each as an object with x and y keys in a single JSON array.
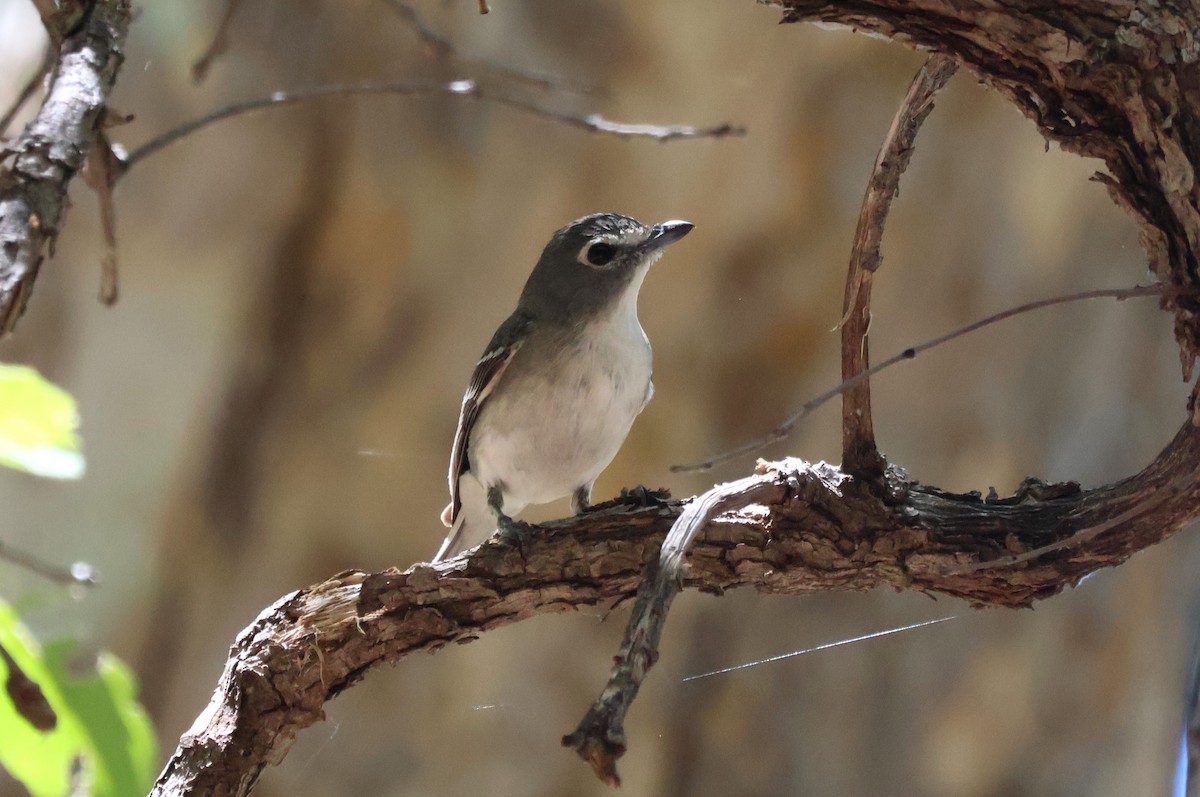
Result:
[
  {"x": 640, "y": 497},
  {"x": 643, "y": 496},
  {"x": 514, "y": 533}
]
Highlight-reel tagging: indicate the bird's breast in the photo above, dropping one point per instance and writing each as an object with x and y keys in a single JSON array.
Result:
[{"x": 565, "y": 410}]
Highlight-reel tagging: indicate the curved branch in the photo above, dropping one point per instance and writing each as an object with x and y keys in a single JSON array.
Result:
[
  {"x": 51, "y": 151},
  {"x": 1106, "y": 80},
  {"x": 814, "y": 528},
  {"x": 860, "y": 455}
]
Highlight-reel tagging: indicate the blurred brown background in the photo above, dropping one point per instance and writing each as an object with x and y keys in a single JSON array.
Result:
[{"x": 304, "y": 291}]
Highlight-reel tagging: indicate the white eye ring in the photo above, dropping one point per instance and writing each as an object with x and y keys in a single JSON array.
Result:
[{"x": 598, "y": 252}]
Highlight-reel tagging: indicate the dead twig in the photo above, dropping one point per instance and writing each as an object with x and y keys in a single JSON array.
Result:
[
  {"x": 783, "y": 430},
  {"x": 463, "y": 88},
  {"x": 599, "y": 738},
  {"x": 860, "y": 455},
  {"x": 77, "y": 573},
  {"x": 441, "y": 46},
  {"x": 101, "y": 171},
  {"x": 219, "y": 43}
]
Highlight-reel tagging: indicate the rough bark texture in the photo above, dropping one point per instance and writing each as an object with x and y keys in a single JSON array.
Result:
[
  {"x": 815, "y": 529},
  {"x": 52, "y": 149}
]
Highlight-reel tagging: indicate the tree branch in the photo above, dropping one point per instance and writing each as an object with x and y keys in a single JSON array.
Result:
[
  {"x": 441, "y": 46},
  {"x": 812, "y": 528},
  {"x": 461, "y": 88},
  {"x": 600, "y": 737},
  {"x": 76, "y": 573},
  {"x": 219, "y": 43},
  {"x": 860, "y": 456},
  {"x": 33, "y": 189}
]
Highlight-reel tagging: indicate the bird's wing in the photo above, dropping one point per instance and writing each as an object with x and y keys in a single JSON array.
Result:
[{"x": 488, "y": 371}]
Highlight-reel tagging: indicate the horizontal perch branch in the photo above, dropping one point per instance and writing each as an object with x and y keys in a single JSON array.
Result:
[{"x": 812, "y": 528}]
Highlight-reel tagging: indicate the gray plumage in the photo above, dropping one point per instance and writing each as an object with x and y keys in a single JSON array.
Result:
[{"x": 557, "y": 389}]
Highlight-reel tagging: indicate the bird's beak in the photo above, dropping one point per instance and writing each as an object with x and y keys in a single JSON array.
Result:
[{"x": 668, "y": 233}]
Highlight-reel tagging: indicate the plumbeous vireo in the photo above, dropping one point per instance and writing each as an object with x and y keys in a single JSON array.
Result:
[{"x": 555, "y": 392}]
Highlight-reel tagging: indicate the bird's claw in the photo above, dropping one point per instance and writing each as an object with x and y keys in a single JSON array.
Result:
[
  {"x": 514, "y": 533},
  {"x": 643, "y": 496}
]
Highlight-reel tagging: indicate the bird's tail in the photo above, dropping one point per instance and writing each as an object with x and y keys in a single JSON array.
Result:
[
  {"x": 452, "y": 536},
  {"x": 474, "y": 523}
]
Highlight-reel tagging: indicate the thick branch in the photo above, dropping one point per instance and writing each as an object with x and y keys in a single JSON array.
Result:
[
  {"x": 814, "y": 528},
  {"x": 33, "y": 190}
]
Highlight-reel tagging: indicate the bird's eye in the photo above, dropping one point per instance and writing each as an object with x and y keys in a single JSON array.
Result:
[{"x": 600, "y": 254}]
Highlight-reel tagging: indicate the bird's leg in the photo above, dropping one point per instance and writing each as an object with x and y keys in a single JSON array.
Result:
[
  {"x": 581, "y": 499},
  {"x": 511, "y": 531}
]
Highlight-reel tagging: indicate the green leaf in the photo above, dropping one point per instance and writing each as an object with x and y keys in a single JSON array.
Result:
[
  {"x": 102, "y": 737},
  {"x": 38, "y": 423}
]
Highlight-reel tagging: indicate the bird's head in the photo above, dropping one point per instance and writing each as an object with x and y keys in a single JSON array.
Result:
[{"x": 591, "y": 263}]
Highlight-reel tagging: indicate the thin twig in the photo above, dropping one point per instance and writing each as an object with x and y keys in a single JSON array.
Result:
[
  {"x": 101, "y": 171},
  {"x": 860, "y": 455},
  {"x": 28, "y": 90},
  {"x": 442, "y": 46},
  {"x": 783, "y": 430},
  {"x": 465, "y": 88},
  {"x": 219, "y": 43},
  {"x": 78, "y": 573},
  {"x": 599, "y": 738},
  {"x": 60, "y": 17}
]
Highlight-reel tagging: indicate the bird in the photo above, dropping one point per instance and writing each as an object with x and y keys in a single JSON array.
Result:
[{"x": 558, "y": 387}]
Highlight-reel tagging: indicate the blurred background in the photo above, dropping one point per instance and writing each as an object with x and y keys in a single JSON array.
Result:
[{"x": 304, "y": 291}]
